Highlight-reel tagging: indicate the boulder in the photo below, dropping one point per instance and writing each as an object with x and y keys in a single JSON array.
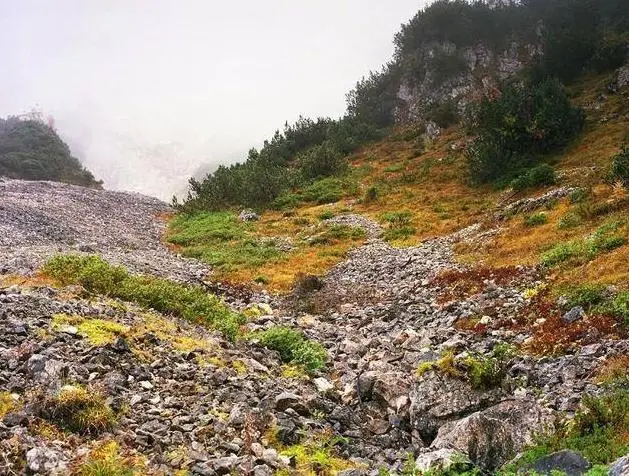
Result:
[
  {"x": 620, "y": 467},
  {"x": 567, "y": 462},
  {"x": 442, "y": 460},
  {"x": 248, "y": 215},
  {"x": 392, "y": 389},
  {"x": 573, "y": 315},
  {"x": 493, "y": 436},
  {"x": 437, "y": 399}
]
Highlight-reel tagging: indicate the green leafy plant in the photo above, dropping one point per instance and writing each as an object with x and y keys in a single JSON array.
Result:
[
  {"x": 620, "y": 167},
  {"x": 536, "y": 219},
  {"x": 293, "y": 347}
]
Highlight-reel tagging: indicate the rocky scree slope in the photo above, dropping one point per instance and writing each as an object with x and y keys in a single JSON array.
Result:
[{"x": 187, "y": 400}]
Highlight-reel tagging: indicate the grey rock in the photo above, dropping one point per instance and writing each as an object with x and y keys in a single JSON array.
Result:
[
  {"x": 567, "y": 462},
  {"x": 573, "y": 315},
  {"x": 620, "y": 467},
  {"x": 248, "y": 215},
  {"x": 442, "y": 460},
  {"x": 46, "y": 460}
]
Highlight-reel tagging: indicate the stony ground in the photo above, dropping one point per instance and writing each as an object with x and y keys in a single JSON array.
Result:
[{"x": 191, "y": 400}]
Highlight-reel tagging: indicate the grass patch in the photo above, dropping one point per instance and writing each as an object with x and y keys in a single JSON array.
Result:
[
  {"x": 79, "y": 410},
  {"x": 108, "y": 459},
  {"x": 483, "y": 372},
  {"x": 294, "y": 348},
  {"x": 582, "y": 250},
  {"x": 221, "y": 240},
  {"x": 186, "y": 301},
  {"x": 316, "y": 456}
]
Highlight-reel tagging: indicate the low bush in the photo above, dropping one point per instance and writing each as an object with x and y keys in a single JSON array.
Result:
[
  {"x": 584, "y": 295},
  {"x": 538, "y": 176},
  {"x": 186, "y": 301},
  {"x": 326, "y": 215},
  {"x": 569, "y": 220},
  {"x": 444, "y": 114},
  {"x": 108, "y": 459},
  {"x": 620, "y": 168},
  {"x": 80, "y": 410},
  {"x": 294, "y": 348},
  {"x": 536, "y": 219}
]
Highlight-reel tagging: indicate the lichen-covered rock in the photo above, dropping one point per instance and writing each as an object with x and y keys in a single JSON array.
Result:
[
  {"x": 442, "y": 460},
  {"x": 492, "y": 436},
  {"x": 566, "y": 462}
]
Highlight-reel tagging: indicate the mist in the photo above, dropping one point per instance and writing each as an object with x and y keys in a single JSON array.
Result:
[{"x": 148, "y": 93}]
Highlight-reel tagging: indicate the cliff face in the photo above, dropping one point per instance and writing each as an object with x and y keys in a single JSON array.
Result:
[{"x": 458, "y": 75}]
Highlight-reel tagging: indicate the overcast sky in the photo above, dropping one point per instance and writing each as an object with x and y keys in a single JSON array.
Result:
[{"x": 148, "y": 91}]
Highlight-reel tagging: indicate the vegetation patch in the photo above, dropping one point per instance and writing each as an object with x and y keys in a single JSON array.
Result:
[
  {"x": 109, "y": 459},
  {"x": 97, "y": 331},
  {"x": 484, "y": 372},
  {"x": 79, "y": 410},
  {"x": 186, "y": 301},
  {"x": 459, "y": 284},
  {"x": 605, "y": 239},
  {"x": 7, "y": 403},
  {"x": 598, "y": 432},
  {"x": 619, "y": 172},
  {"x": 536, "y": 219},
  {"x": 317, "y": 455},
  {"x": 294, "y": 348}
]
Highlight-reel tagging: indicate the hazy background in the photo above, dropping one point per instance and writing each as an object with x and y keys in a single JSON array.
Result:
[{"x": 149, "y": 92}]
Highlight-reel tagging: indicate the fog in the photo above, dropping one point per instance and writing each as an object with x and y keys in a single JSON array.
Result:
[{"x": 149, "y": 92}]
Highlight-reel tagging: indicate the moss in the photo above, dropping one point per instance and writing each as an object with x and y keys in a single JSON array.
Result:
[
  {"x": 7, "y": 403},
  {"x": 240, "y": 367},
  {"x": 97, "y": 331},
  {"x": 80, "y": 410}
]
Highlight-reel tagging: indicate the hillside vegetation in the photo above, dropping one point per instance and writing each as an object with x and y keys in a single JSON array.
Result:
[{"x": 32, "y": 150}]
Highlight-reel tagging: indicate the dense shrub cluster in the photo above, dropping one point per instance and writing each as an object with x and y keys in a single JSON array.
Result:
[
  {"x": 187, "y": 301},
  {"x": 525, "y": 122},
  {"x": 620, "y": 167},
  {"x": 31, "y": 150},
  {"x": 304, "y": 152}
]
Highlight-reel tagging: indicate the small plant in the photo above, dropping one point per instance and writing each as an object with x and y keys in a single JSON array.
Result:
[
  {"x": 107, "y": 459},
  {"x": 569, "y": 220},
  {"x": 80, "y": 410},
  {"x": 7, "y": 403},
  {"x": 486, "y": 372},
  {"x": 326, "y": 215},
  {"x": 620, "y": 168},
  {"x": 579, "y": 195},
  {"x": 371, "y": 195},
  {"x": 293, "y": 347},
  {"x": 536, "y": 219}
]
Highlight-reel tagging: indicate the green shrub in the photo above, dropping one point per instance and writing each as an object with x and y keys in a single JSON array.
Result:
[
  {"x": 398, "y": 218},
  {"x": 620, "y": 167},
  {"x": 525, "y": 122},
  {"x": 444, "y": 114},
  {"x": 32, "y": 150},
  {"x": 486, "y": 372},
  {"x": 293, "y": 347},
  {"x": 186, "y": 301},
  {"x": 399, "y": 225},
  {"x": 321, "y": 161},
  {"x": 618, "y": 306},
  {"x": 336, "y": 233},
  {"x": 538, "y": 176},
  {"x": 584, "y": 295},
  {"x": 579, "y": 195},
  {"x": 326, "y": 215},
  {"x": 371, "y": 195},
  {"x": 535, "y": 219},
  {"x": 569, "y": 220}
]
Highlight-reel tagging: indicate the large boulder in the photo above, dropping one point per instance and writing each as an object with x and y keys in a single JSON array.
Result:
[
  {"x": 620, "y": 467},
  {"x": 437, "y": 399},
  {"x": 493, "y": 436}
]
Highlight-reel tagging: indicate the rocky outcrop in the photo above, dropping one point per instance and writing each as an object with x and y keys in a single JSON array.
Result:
[{"x": 480, "y": 69}]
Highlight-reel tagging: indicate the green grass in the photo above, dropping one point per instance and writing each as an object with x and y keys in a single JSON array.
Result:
[
  {"x": 294, "y": 348},
  {"x": 221, "y": 240},
  {"x": 598, "y": 432},
  {"x": 327, "y": 190},
  {"x": 582, "y": 250},
  {"x": 80, "y": 410},
  {"x": 337, "y": 232},
  {"x": 182, "y": 300}
]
